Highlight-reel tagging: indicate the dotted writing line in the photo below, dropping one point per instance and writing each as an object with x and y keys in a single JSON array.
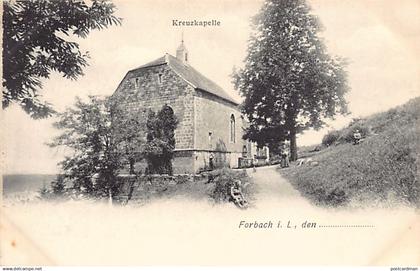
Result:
[{"x": 346, "y": 226}]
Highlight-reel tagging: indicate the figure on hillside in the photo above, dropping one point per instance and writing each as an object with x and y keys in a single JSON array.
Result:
[
  {"x": 237, "y": 195},
  {"x": 357, "y": 136}
]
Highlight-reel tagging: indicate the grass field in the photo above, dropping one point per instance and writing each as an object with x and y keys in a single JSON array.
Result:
[{"x": 381, "y": 169}]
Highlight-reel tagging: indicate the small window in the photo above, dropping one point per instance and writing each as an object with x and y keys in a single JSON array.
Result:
[
  {"x": 186, "y": 57},
  {"x": 137, "y": 83},
  {"x": 160, "y": 78}
]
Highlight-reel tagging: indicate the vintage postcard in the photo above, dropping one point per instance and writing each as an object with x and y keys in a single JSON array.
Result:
[{"x": 210, "y": 133}]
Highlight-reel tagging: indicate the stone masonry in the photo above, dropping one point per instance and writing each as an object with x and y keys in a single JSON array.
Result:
[{"x": 210, "y": 124}]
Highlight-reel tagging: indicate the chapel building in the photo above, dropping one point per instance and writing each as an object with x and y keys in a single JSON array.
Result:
[{"x": 210, "y": 127}]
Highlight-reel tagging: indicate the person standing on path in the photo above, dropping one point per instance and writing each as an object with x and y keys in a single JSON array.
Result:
[{"x": 284, "y": 157}]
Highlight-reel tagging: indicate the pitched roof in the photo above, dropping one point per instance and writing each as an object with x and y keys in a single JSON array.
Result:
[
  {"x": 156, "y": 62},
  {"x": 191, "y": 75}
]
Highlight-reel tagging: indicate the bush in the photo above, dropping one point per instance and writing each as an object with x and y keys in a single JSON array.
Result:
[
  {"x": 54, "y": 191},
  {"x": 348, "y": 133},
  {"x": 330, "y": 138},
  {"x": 160, "y": 145},
  {"x": 224, "y": 179},
  {"x": 44, "y": 192},
  {"x": 328, "y": 196},
  {"x": 58, "y": 186}
]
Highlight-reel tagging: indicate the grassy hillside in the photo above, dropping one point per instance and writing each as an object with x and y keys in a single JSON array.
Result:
[{"x": 383, "y": 167}]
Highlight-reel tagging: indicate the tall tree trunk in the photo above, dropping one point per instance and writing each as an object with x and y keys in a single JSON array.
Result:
[
  {"x": 293, "y": 146},
  {"x": 109, "y": 197},
  {"x": 131, "y": 165}
]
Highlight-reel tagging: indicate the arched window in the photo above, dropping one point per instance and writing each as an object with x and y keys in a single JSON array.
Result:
[
  {"x": 168, "y": 109},
  {"x": 232, "y": 128}
]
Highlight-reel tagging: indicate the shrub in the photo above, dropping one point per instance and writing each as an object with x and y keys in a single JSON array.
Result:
[
  {"x": 58, "y": 186},
  {"x": 48, "y": 193},
  {"x": 160, "y": 145},
  {"x": 224, "y": 179},
  {"x": 44, "y": 192},
  {"x": 347, "y": 134},
  {"x": 337, "y": 196},
  {"x": 317, "y": 148},
  {"x": 330, "y": 138}
]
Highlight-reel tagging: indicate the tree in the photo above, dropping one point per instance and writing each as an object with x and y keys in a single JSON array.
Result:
[
  {"x": 34, "y": 45},
  {"x": 101, "y": 146},
  {"x": 58, "y": 186},
  {"x": 289, "y": 81},
  {"x": 92, "y": 167},
  {"x": 128, "y": 129},
  {"x": 160, "y": 145}
]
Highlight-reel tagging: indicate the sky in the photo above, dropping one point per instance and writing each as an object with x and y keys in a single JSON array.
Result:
[{"x": 380, "y": 39}]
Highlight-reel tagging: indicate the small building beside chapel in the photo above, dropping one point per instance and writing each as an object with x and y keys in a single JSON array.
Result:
[{"x": 210, "y": 127}]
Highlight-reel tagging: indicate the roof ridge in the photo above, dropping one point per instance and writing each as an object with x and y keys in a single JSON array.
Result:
[
  {"x": 196, "y": 79},
  {"x": 191, "y": 75},
  {"x": 175, "y": 71},
  {"x": 159, "y": 61}
]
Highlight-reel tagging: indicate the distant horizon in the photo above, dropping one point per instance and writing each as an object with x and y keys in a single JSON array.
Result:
[{"x": 34, "y": 173}]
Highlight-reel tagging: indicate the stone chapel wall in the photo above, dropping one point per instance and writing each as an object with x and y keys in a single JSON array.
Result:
[{"x": 150, "y": 93}]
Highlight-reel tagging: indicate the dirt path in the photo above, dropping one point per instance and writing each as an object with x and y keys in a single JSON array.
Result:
[
  {"x": 272, "y": 185},
  {"x": 274, "y": 191}
]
